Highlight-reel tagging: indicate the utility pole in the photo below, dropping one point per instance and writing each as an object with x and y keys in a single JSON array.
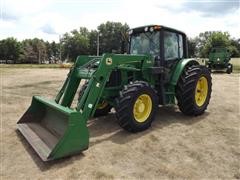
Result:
[
  {"x": 98, "y": 35},
  {"x": 39, "y": 56},
  {"x": 60, "y": 50}
]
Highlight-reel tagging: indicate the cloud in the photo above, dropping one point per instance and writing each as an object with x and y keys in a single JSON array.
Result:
[
  {"x": 211, "y": 7},
  {"x": 49, "y": 19},
  {"x": 24, "y": 7},
  {"x": 8, "y": 17},
  {"x": 47, "y": 28}
]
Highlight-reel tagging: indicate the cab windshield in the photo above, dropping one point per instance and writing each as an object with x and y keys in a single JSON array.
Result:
[{"x": 145, "y": 43}]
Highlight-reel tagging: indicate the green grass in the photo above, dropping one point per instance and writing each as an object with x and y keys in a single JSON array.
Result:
[
  {"x": 31, "y": 66},
  {"x": 236, "y": 64},
  {"x": 234, "y": 61},
  {"x": 236, "y": 68}
]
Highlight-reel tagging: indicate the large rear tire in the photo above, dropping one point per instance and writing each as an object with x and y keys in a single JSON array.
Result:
[
  {"x": 136, "y": 106},
  {"x": 193, "y": 91}
]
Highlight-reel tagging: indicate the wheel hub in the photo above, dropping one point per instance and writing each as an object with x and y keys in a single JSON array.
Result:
[
  {"x": 142, "y": 108},
  {"x": 201, "y": 91}
]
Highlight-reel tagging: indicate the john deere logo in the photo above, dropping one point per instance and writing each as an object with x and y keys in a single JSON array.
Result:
[
  {"x": 109, "y": 61},
  {"x": 149, "y": 62}
]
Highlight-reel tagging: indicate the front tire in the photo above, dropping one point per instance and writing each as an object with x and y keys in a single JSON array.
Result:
[
  {"x": 136, "y": 106},
  {"x": 193, "y": 91}
]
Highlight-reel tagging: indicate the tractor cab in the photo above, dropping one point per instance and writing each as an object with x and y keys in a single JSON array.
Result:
[{"x": 165, "y": 44}]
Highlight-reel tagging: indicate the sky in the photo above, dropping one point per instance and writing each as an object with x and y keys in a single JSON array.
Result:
[{"x": 49, "y": 19}]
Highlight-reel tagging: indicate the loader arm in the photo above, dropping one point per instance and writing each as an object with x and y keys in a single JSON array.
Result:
[
  {"x": 97, "y": 79},
  {"x": 56, "y": 130}
]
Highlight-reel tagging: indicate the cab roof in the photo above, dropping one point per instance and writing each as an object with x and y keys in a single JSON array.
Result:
[{"x": 156, "y": 27}]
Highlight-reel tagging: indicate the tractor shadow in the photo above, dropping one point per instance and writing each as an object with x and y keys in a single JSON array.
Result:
[
  {"x": 218, "y": 72},
  {"x": 106, "y": 129}
]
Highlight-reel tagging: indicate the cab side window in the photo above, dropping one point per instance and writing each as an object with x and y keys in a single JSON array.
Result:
[{"x": 173, "y": 46}]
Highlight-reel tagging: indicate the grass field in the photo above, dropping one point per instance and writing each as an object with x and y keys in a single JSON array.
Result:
[
  {"x": 234, "y": 61},
  {"x": 35, "y": 65},
  {"x": 175, "y": 147},
  {"x": 236, "y": 64}
]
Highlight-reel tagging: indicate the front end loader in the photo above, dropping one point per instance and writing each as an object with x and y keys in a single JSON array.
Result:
[{"x": 156, "y": 71}]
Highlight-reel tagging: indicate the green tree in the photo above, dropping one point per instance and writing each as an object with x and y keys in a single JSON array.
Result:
[
  {"x": 54, "y": 48},
  {"x": 49, "y": 51},
  {"x": 235, "y": 47},
  {"x": 192, "y": 47},
  {"x": 10, "y": 49},
  {"x": 75, "y": 43},
  {"x": 93, "y": 42},
  {"x": 216, "y": 39},
  {"x": 209, "y": 39},
  {"x": 34, "y": 51},
  {"x": 52, "y": 51},
  {"x": 113, "y": 37},
  {"x": 29, "y": 55}
]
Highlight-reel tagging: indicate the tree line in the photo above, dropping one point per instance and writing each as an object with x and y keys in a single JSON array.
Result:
[
  {"x": 201, "y": 45},
  {"x": 112, "y": 38}
]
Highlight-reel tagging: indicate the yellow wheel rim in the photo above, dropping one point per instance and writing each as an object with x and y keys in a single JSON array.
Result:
[
  {"x": 201, "y": 91},
  {"x": 102, "y": 105},
  {"x": 142, "y": 108}
]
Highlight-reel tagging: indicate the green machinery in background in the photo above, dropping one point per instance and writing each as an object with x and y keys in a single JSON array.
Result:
[
  {"x": 219, "y": 58},
  {"x": 155, "y": 72}
]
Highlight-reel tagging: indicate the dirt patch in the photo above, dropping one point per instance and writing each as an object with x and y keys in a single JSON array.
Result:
[{"x": 175, "y": 146}]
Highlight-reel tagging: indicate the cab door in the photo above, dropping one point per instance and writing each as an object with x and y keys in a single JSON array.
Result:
[{"x": 173, "y": 48}]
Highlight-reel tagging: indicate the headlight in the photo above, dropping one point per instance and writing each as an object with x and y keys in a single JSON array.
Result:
[
  {"x": 146, "y": 29},
  {"x": 130, "y": 32}
]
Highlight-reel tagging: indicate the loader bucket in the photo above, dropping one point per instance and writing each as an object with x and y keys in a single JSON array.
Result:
[{"x": 52, "y": 130}]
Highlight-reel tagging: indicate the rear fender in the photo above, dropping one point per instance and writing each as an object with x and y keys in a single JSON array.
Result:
[{"x": 179, "y": 69}]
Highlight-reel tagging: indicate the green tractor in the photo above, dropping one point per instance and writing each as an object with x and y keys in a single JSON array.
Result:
[
  {"x": 219, "y": 58},
  {"x": 155, "y": 72}
]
